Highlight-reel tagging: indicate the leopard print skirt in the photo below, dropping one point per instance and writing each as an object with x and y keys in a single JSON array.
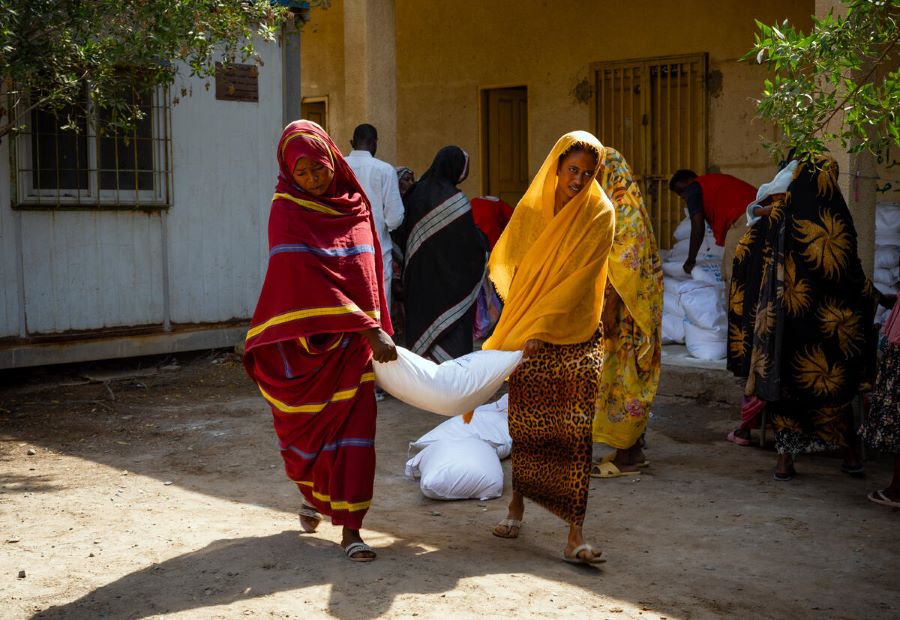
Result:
[{"x": 552, "y": 398}]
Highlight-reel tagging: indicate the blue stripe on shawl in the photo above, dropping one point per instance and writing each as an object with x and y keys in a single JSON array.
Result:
[
  {"x": 302, "y": 247},
  {"x": 329, "y": 447}
]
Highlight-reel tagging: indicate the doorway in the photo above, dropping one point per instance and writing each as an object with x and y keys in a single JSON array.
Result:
[
  {"x": 315, "y": 109},
  {"x": 654, "y": 112},
  {"x": 505, "y": 143}
]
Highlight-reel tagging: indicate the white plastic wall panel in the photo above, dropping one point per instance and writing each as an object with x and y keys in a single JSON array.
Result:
[
  {"x": 9, "y": 285},
  {"x": 224, "y": 176},
  {"x": 89, "y": 270}
]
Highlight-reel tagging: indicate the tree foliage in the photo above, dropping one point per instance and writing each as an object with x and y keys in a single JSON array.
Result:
[
  {"x": 60, "y": 54},
  {"x": 838, "y": 82}
]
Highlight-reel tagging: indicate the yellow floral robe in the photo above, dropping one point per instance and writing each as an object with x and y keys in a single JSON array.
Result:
[{"x": 631, "y": 360}]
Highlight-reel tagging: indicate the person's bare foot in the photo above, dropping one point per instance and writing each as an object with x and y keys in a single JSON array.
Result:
[
  {"x": 891, "y": 493},
  {"x": 514, "y": 513},
  {"x": 350, "y": 537},
  {"x": 309, "y": 518},
  {"x": 631, "y": 458},
  {"x": 575, "y": 540},
  {"x": 784, "y": 468},
  {"x": 625, "y": 460}
]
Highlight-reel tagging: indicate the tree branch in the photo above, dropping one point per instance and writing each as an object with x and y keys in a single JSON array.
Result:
[{"x": 859, "y": 86}]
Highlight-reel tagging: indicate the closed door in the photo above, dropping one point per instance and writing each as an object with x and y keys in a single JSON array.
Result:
[
  {"x": 315, "y": 110},
  {"x": 505, "y": 143},
  {"x": 653, "y": 111}
]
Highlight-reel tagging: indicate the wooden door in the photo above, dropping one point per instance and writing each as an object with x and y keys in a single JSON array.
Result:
[
  {"x": 653, "y": 111},
  {"x": 505, "y": 148},
  {"x": 315, "y": 110}
]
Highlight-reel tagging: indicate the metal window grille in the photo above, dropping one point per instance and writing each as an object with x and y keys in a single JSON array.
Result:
[
  {"x": 654, "y": 112},
  {"x": 58, "y": 168}
]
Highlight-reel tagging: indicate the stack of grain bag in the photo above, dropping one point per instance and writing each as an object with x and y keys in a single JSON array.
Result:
[
  {"x": 460, "y": 460},
  {"x": 694, "y": 305},
  {"x": 887, "y": 251}
]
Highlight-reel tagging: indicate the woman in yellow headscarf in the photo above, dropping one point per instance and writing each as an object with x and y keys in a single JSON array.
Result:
[
  {"x": 632, "y": 316},
  {"x": 549, "y": 266}
]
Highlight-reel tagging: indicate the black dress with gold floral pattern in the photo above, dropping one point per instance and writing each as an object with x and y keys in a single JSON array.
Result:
[{"x": 801, "y": 322}]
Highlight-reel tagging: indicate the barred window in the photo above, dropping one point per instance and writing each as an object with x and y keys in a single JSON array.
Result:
[{"x": 63, "y": 161}]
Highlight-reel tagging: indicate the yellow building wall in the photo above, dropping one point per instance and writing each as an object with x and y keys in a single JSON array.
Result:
[
  {"x": 322, "y": 68},
  {"x": 446, "y": 52}
]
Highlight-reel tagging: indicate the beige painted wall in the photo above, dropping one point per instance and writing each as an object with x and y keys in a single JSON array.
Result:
[
  {"x": 447, "y": 51},
  {"x": 512, "y": 43},
  {"x": 347, "y": 54},
  {"x": 322, "y": 68}
]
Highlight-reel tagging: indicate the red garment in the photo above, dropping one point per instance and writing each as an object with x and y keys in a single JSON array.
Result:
[
  {"x": 725, "y": 199},
  {"x": 491, "y": 216},
  {"x": 303, "y": 349}
]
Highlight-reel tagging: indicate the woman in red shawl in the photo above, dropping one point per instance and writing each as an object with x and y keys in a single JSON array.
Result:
[{"x": 320, "y": 320}]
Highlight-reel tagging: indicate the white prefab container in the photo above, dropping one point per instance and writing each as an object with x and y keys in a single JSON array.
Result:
[{"x": 90, "y": 282}]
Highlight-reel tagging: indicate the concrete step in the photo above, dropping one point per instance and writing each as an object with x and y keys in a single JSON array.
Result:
[{"x": 703, "y": 381}]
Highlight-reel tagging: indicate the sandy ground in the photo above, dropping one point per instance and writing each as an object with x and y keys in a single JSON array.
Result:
[{"x": 161, "y": 493}]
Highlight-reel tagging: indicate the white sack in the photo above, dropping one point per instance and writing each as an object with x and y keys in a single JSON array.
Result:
[
  {"x": 887, "y": 217},
  {"x": 886, "y": 257},
  {"x": 454, "y": 387},
  {"x": 672, "y": 329},
  {"x": 683, "y": 230},
  {"x": 887, "y": 238},
  {"x": 703, "y": 304},
  {"x": 489, "y": 423},
  {"x": 680, "y": 250},
  {"x": 672, "y": 302},
  {"x": 705, "y": 344},
  {"x": 885, "y": 289},
  {"x": 888, "y": 277},
  {"x": 711, "y": 253},
  {"x": 673, "y": 269},
  {"x": 458, "y": 469},
  {"x": 707, "y": 272},
  {"x": 707, "y": 252}
]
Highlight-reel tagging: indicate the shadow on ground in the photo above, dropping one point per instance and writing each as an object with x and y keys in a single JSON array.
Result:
[{"x": 704, "y": 533}]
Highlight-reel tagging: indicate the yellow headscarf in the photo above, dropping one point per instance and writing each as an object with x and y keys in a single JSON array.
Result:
[{"x": 550, "y": 269}]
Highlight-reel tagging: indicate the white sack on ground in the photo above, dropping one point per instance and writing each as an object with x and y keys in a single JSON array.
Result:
[
  {"x": 458, "y": 469},
  {"x": 708, "y": 252},
  {"x": 887, "y": 238},
  {"x": 705, "y": 344},
  {"x": 683, "y": 230},
  {"x": 672, "y": 329},
  {"x": 454, "y": 387},
  {"x": 888, "y": 277},
  {"x": 887, "y": 217},
  {"x": 671, "y": 299},
  {"x": 489, "y": 423},
  {"x": 708, "y": 272},
  {"x": 674, "y": 269},
  {"x": 709, "y": 256},
  {"x": 886, "y": 257},
  {"x": 680, "y": 250},
  {"x": 703, "y": 304}
]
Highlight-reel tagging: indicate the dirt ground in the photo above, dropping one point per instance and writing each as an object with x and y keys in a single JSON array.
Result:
[{"x": 156, "y": 489}]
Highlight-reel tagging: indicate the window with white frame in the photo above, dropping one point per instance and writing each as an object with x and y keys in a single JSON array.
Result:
[{"x": 63, "y": 161}]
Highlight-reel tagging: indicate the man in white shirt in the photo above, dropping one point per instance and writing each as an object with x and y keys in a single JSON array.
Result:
[{"x": 379, "y": 181}]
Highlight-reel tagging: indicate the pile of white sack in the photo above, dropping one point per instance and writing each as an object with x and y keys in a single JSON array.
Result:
[
  {"x": 694, "y": 305},
  {"x": 887, "y": 251},
  {"x": 462, "y": 461}
]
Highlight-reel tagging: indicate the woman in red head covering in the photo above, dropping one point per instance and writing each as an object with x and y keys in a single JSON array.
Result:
[{"x": 320, "y": 320}]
